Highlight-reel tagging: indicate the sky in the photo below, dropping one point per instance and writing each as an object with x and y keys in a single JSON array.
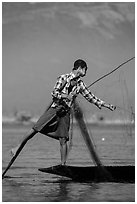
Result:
[{"x": 40, "y": 41}]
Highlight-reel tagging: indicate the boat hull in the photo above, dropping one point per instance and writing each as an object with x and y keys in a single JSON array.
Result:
[{"x": 122, "y": 174}]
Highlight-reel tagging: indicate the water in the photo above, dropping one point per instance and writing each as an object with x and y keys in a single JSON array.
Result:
[{"x": 26, "y": 184}]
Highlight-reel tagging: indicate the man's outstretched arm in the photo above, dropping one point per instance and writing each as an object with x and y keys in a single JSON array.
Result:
[
  {"x": 93, "y": 99},
  {"x": 109, "y": 106}
]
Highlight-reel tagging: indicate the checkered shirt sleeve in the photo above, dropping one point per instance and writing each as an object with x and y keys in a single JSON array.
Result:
[
  {"x": 89, "y": 96},
  {"x": 59, "y": 83}
]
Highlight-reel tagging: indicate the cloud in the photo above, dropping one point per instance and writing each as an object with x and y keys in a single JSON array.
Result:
[
  {"x": 104, "y": 17},
  {"x": 17, "y": 12},
  {"x": 127, "y": 10},
  {"x": 87, "y": 19}
]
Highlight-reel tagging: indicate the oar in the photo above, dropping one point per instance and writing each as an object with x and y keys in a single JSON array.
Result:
[
  {"x": 13, "y": 159},
  {"x": 20, "y": 148},
  {"x": 17, "y": 152}
]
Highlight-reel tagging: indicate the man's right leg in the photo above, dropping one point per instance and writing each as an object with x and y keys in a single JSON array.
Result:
[
  {"x": 63, "y": 150},
  {"x": 23, "y": 142}
]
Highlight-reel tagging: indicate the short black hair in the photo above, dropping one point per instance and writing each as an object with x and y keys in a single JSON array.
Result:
[{"x": 79, "y": 63}]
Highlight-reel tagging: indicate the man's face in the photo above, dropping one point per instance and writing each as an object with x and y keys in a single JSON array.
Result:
[{"x": 83, "y": 71}]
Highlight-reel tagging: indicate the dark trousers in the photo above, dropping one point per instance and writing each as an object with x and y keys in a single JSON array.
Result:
[{"x": 52, "y": 125}]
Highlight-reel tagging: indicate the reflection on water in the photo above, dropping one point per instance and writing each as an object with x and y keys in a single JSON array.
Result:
[{"x": 27, "y": 184}]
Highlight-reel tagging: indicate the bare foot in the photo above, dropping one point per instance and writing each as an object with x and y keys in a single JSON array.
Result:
[
  {"x": 13, "y": 151},
  {"x": 63, "y": 164}
]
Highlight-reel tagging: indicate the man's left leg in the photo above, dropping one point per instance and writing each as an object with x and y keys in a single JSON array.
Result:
[
  {"x": 63, "y": 150},
  {"x": 63, "y": 131}
]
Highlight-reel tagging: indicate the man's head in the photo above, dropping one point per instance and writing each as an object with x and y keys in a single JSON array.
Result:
[{"x": 80, "y": 67}]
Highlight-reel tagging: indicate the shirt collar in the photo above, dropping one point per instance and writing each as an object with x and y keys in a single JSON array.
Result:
[{"x": 72, "y": 76}]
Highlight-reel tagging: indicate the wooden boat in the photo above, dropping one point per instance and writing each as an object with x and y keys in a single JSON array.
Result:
[{"x": 120, "y": 174}]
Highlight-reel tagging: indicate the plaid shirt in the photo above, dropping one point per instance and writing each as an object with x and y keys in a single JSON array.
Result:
[{"x": 63, "y": 85}]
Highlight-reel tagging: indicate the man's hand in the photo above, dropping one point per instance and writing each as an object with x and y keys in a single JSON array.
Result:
[
  {"x": 66, "y": 96},
  {"x": 112, "y": 108},
  {"x": 63, "y": 95},
  {"x": 109, "y": 106}
]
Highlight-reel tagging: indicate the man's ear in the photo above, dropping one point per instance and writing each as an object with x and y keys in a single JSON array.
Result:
[{"x": 79, "y": 68}]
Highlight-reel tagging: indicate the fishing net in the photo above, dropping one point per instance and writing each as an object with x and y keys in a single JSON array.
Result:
[{"x": 89, "y": 141}]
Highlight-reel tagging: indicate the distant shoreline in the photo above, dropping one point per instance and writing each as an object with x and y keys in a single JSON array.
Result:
[{"x": 95, "y": 124}]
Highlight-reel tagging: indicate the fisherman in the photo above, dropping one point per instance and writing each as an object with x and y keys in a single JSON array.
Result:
[{"x": 55, "y": 121}]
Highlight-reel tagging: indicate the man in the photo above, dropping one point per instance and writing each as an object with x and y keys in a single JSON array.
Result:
[{"x": 55, "y": 121}]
